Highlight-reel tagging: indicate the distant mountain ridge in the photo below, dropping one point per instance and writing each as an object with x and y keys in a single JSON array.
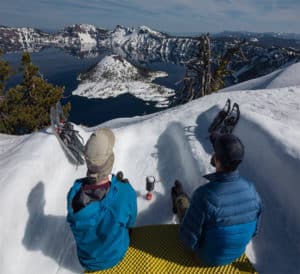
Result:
[
  {"x": 142, "y": 44},
  {"x": 283, "y": 35},
  {"x": 85, "y": 37},
  {"x": 87, "y": 40}
]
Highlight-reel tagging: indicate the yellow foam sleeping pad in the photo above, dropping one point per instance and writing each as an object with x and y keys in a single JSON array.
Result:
[{"x": 157, "y": 249}]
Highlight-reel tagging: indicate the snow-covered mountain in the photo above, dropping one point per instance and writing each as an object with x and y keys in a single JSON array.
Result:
[
  {"x": 279, "y": 37},
  {"x": 144, "y": 45},
  {"x": 173, "y": 144},
  {"x": 78, "y": 39},
  {"x": 16, "y": 39},
  {"x": 113, "y": 76}
]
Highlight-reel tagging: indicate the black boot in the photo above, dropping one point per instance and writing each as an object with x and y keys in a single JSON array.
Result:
[{"x": 175, "y": 192}]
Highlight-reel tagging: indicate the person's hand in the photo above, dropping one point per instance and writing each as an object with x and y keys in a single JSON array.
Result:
[{"x": 120, "y": 177}]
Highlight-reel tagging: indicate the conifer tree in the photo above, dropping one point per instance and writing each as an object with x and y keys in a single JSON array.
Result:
[
  {"x": 25, "y": 108},
  {"x": 202, "y": 76},
  {"x": 5, "y": 72}
]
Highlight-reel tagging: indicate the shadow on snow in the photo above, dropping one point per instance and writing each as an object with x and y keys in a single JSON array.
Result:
[{"x": 48, "y": 233}]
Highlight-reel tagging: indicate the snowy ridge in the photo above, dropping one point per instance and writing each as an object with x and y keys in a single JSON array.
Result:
[
  {"x": 151, "y": 31},
  {"x": 14, "y": 39},
  {"x": 121, "y": 34},
  {"x": 114, "y": 76},
  {"x": 169, "y": 145},
  {"x": 144, "y": 45},
  {"x": 87, "y": 27},
  {"x": 25, "y": 35},
  {"x": 285, "y": 77},
  {"x": 82, "y": 38},
  {"x": 259, "y": 35}
]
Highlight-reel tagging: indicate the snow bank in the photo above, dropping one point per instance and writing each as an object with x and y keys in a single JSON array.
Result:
[
  {"x": 173, "y": 144},
  {"x": 285, "y": 77}
]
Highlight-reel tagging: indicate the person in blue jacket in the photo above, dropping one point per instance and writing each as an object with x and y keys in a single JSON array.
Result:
[
  {"x": 222, "y": 215},
  {"x": 101, "y": 210}
]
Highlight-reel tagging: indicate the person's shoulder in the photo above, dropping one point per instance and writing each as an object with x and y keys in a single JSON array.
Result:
[
  {"x": 207, "y": 188},
  {"x": 124, "y": 185},
  {"x": 127, "y": 185},
  {"x": 252, "y": 189},
  {"x": 203, "y": 192},
  {"x": 201, "y": 189},
  {"x": 248, "y": 182},
  {"x": 76, "y": 185},
  {"x": 205, "y": 198}
]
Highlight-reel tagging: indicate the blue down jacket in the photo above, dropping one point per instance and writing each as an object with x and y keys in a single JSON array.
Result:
[
  {"x": 222, "y": 218},
  {"x": 101, "y": 228}
]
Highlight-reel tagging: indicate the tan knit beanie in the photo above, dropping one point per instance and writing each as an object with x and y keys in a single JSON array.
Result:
[{"x": 99, "y": 154}]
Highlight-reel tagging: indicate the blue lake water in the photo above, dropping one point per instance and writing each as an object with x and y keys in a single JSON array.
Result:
[{"x": 62, "y": 69}]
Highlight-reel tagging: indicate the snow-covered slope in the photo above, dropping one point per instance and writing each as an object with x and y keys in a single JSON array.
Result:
[
  {"x": 113, "y": 76},
  {"x": 80, "y": 39},
  {"x": 146, "y": 45},
  {"x": 285, "y": 77},
  {"x": 173, "y": 144},
  {"x": 15, "y": 39}
]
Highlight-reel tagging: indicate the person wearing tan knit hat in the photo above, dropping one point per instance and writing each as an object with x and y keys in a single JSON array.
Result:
[
  {"x": 99, "y": 157},
  {"x": 101, "y": 211},
  {"x": 99, "y": 154}
]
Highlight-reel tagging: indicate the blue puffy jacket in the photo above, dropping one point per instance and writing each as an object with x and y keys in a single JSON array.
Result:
[
  {"x": 101, "y": 228},
  {"x": 222, "y": 218}
]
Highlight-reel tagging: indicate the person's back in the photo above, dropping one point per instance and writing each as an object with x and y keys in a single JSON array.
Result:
[
  {"x": 223, "y": 214},
  {"x": 101, "y": 228},
  {"x": 231, "y": 205},
  {"x": 100, "y": 211}
]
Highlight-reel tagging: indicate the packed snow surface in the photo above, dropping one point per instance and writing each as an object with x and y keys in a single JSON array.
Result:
[
  {"x": 173, "y": 144},
  {"x": 113, "y": 76},
  {"x": 285, "y": 77}
]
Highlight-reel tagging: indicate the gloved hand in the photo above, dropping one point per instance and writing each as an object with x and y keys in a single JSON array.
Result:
[{"x": 120, "y": 177}]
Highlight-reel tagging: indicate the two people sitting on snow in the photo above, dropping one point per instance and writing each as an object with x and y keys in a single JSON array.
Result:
[
  {"x": 217, "y": 222},
  {"x": 101, "y": 210},
  {"x": 223, "y": 215}
]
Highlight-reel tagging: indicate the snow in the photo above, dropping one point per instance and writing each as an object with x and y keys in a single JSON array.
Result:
[
  {"x": 172, "y": 144},
  {"x": 120, "y": 35},
  {"x": 88, "y": 27},
  {"x": 143, "y": 44},
  {"x": 285, "y": 77},
  {"x": 86, "y": 41},
  {"x": 151, "y": 31},
  {"x": 29, "y": 38},
  {"x": 113, "y": 76}
]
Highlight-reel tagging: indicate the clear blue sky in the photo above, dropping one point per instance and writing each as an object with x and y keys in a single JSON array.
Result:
[{"x": 167, "y": 15}]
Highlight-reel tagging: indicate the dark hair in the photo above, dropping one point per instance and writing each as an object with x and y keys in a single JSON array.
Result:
[
  {"x": 230, "y": 166},
  {"x": 229, "y": 150}
]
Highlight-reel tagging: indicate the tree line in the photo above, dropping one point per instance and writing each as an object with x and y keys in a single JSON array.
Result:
[{"x": 25, "y": 107}]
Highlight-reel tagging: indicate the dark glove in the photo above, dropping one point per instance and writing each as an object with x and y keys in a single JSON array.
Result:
[{"x": 120, "y": 177}]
